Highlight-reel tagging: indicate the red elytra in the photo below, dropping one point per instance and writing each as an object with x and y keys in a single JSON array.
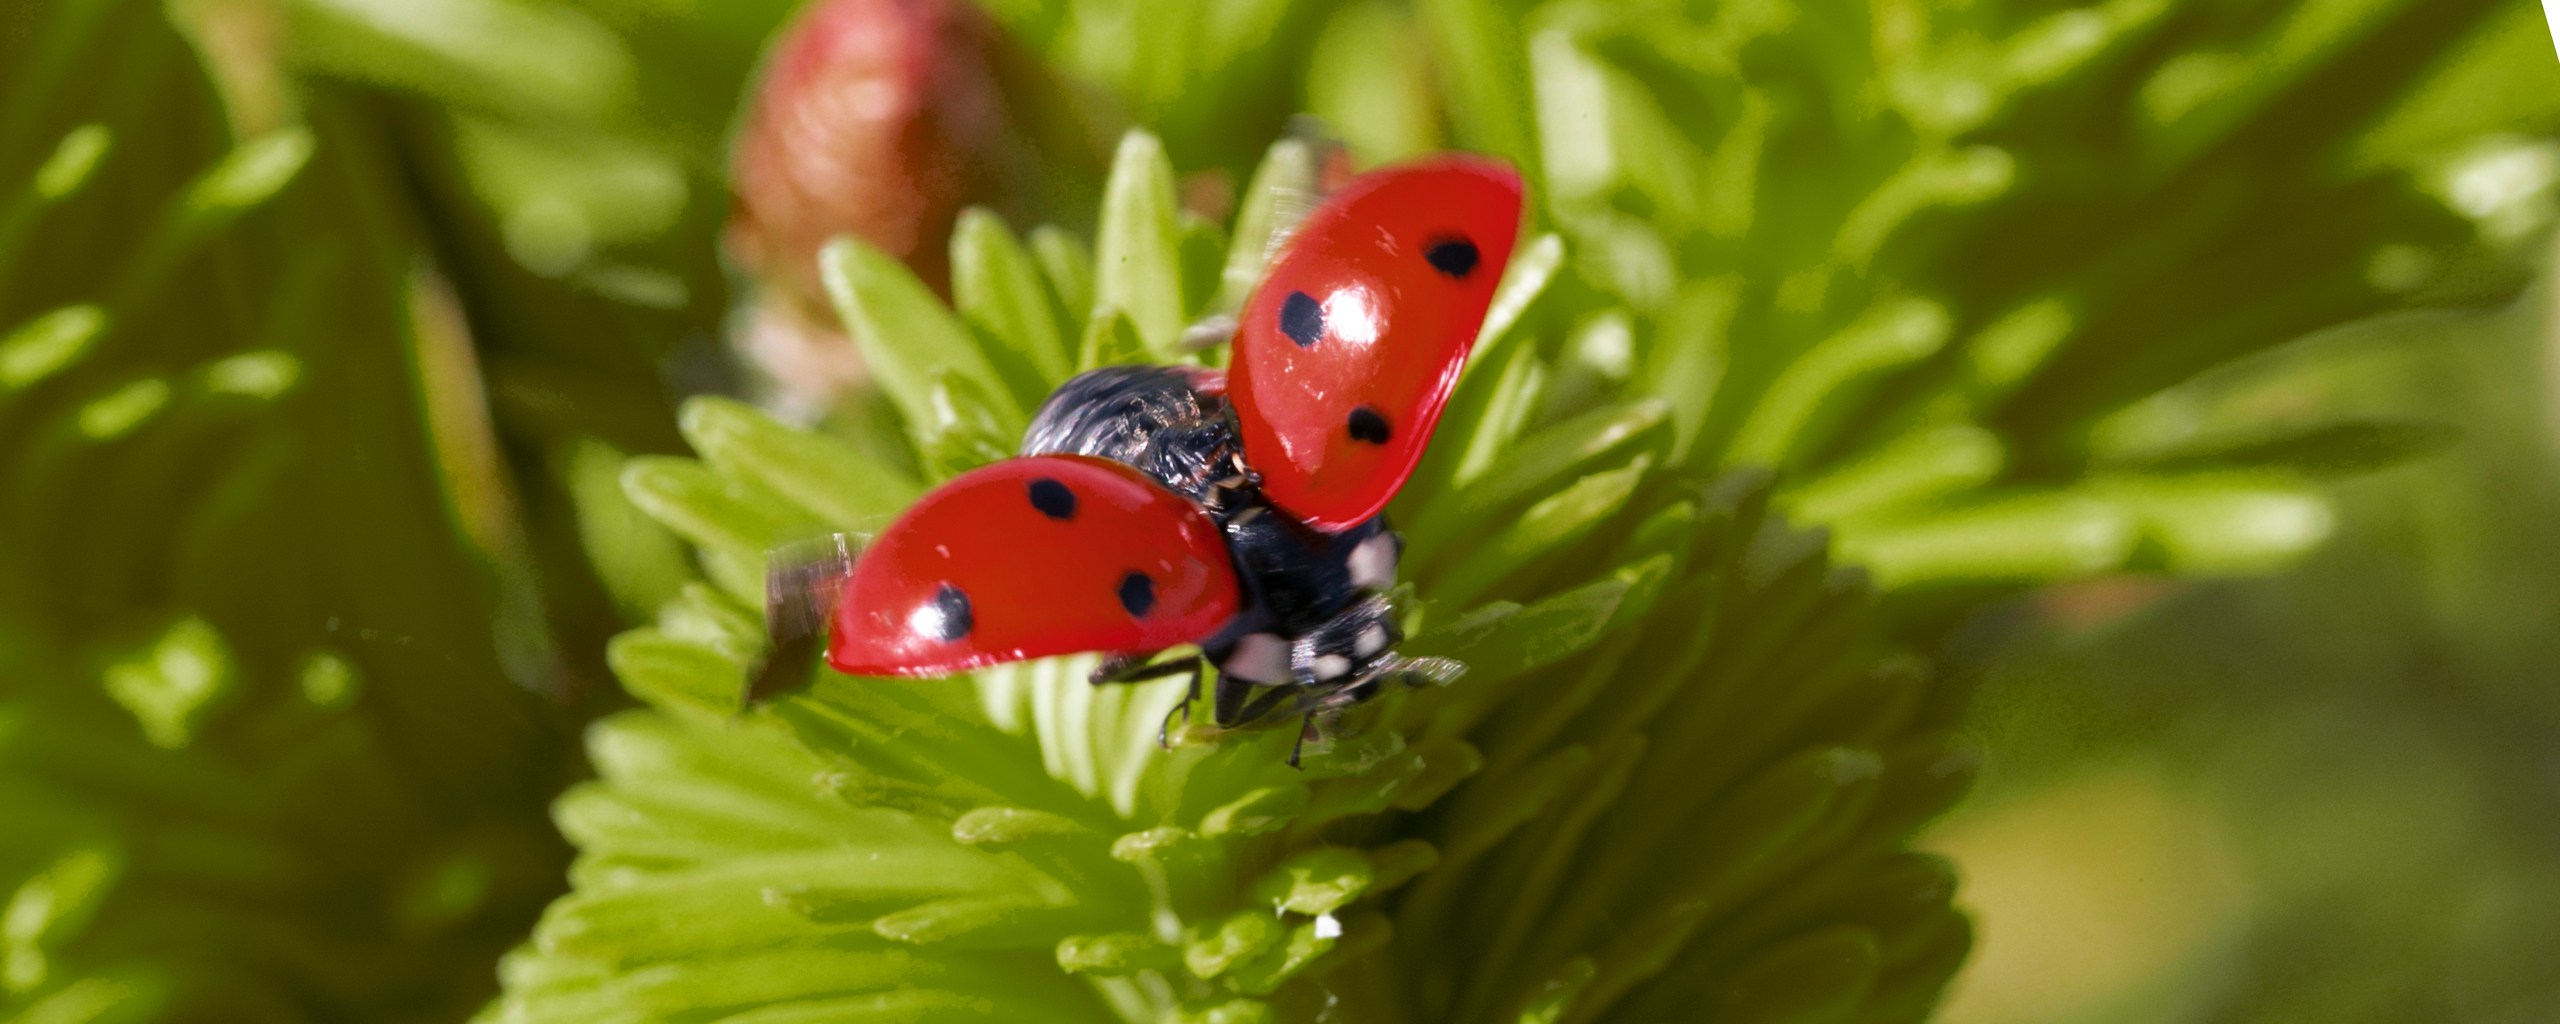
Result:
[
  {"x": 1047, "y": 555},
  {"x": 1349, "y": 348}
]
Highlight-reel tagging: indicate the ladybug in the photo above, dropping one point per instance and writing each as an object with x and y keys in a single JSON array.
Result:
[{"x": 1153, "y": 507}]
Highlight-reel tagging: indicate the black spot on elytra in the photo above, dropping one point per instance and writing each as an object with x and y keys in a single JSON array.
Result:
[
  {"x": 1301, "y": 319},
  {"x": 955, "y": 620},
  {"x": 1137, "y": 594},
  {"x": 1053, "y": 499},
  {"x": 1367, "y": 425},
  {"x": 1455, "y": 257}
]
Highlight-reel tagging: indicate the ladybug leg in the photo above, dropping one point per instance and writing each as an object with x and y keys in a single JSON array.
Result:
[
  {"x": 1234, "y": 693},
  {"x": 1190, "y": 696},
  {"x": 1114, "y": 666},
  {"x": 1304, "y": 731},
  {"x": 1164, "y": 729},
  {"x": 1133, "y": 668},
  {"x": 1238, "y": 707},
  {"x": 1235, "y": 697}
]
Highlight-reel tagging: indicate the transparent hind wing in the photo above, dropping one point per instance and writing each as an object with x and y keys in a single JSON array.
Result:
[{"x": 802, "y": 582}]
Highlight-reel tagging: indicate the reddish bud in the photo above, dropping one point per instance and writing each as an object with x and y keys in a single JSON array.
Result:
[{"x": 876, "y": 118}]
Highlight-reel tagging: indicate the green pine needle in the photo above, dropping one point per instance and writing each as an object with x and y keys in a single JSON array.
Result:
[{"x": 218, "y": 802}]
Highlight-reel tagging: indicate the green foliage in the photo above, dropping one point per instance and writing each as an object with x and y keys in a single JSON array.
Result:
[
  {"x": 1802, "y": 246},
  {"x": 2340, "y": 752},
  {"x": 260, "y": 752},
  {"x": 1896, "y": 254},
  {"x": 956, "y": 846},
  {"x": 1834, "y": 319}
]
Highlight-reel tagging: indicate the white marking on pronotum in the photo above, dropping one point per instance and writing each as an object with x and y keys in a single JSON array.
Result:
[
  {"x": 1371, "y": 641},
  {"x": 1260, "y": 658},
  {"x": 1331, "y": 666},
  {"x": 1373, "y": 563}
]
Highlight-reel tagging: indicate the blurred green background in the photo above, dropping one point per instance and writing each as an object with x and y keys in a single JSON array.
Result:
[
  {"x": 2210, "y": 436},
  {"x": 2322, "y": 795}
]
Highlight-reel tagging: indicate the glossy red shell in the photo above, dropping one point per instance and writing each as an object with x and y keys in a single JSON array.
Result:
[
  {"x": 1349, "y": 348},
  {"x": 1034, "y": 582}
]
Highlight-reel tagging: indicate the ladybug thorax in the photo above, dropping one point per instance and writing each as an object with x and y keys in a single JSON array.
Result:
[{"x": 1171, "y": 423}]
